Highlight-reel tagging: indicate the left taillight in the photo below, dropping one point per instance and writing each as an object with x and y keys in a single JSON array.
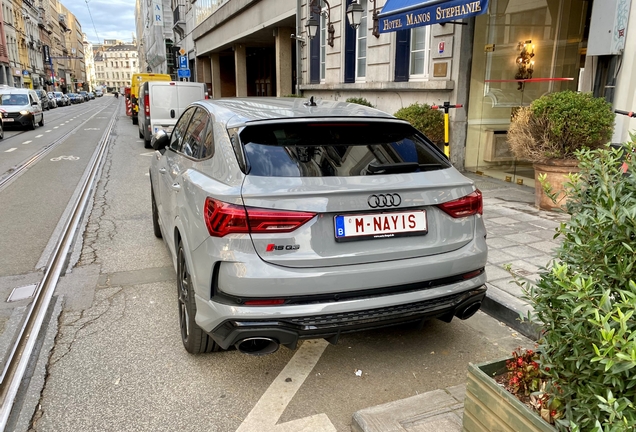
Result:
[
  {"x": 465, "y": 206},
  {"x": 147, "y": 104},
  {"x": 222, "y": 218}
]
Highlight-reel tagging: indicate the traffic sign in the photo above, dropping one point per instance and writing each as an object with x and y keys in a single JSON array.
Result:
[
  {"x": 183, "y": 73},
  {"x": 183, "y": 62},
  {"x": 182, "y": 51}
]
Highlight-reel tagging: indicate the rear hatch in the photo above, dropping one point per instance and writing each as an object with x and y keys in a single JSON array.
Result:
[
  {"x": 168, "y": 100},
  {"x": 365, "y": 192}
]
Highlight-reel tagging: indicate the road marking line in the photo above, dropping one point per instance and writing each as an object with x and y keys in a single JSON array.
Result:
[
  {"x": 62, "y": 124},
  {"x": 27, "y": 142},
  {"x": 48, "y": 130},
  {"x": 10, "y": 150},
  {"x": 147, "y": 154},
  {"x": 39, "y": 136},
  {"x": 274, "y": 401},
  {"x": 55, "y": 127}
]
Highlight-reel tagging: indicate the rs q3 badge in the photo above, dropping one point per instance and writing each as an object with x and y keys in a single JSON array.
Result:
[{"x": 272, "y": 247}]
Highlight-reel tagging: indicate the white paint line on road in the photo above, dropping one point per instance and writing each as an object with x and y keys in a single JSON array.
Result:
[
  {"x": 147, "y": 154},
  {"x": 274, "y": 401},
  {"x": 48, "y": 130},
  {"x": 11, "y": 149},
  {"x": 62, "y": 124},
  {"x": 39, "y": 136},
  {"x": 55, "y": 127},
  {"x": 27, "y": 142}
]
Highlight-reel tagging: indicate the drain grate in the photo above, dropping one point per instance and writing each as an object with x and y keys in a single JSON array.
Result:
[{"x": 22, "y": 293}]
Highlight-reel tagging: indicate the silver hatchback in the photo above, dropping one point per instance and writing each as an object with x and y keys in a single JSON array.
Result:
[{"x": 290, "y": 219}]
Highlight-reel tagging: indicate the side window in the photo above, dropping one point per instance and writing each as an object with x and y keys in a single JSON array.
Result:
[
  {"x": 207, "y": 150},
  {"x": 180, "y": 129},
  {"x": 195, "y": 134}
]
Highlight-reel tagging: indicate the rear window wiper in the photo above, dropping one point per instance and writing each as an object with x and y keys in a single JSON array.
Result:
[{"x": 401, "y": 167}]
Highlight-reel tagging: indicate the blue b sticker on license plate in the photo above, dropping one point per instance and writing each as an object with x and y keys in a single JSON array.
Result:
[{"x": 383, "y": 225}]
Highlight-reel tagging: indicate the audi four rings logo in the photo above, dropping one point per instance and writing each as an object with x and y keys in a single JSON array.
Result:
[{"x": 384, "y": 200}]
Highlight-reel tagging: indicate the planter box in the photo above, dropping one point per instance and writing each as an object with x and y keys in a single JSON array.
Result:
[{"x": 488, "y": 407}]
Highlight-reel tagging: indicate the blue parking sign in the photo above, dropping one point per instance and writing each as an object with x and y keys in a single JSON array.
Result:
[
  {"x": 183, "y": 62},
  {"x": 183, "y": 73}
]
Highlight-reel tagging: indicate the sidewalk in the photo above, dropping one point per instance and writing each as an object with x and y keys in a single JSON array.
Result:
[{"x": 519, "y": 235}]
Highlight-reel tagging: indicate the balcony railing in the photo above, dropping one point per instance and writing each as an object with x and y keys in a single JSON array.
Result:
[{"x": 179, "y": 15}]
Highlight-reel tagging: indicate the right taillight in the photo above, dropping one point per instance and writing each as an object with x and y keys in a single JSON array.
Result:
[
  {"x": 465, "y": 206},
  {"x": 147, "y": 104},
  {"x": 222, "y": 218}
]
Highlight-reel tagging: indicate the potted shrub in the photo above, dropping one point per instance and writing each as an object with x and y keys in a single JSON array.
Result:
[
  {"x": 585, "y": 303},
  {"x": 552, "y": 129}
]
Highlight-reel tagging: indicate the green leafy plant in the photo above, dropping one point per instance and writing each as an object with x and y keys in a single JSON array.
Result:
[
  {"x": 360, "y": 101},
  {"x": 425, "y": 119},
  {"x": 557, "y": 125},
  {"x": 585, "y": 302}
]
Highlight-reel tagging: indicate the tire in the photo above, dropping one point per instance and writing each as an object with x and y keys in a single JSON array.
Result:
[
  {"x": 135, "y": 120},
  {"x": 31, "y": 126},
  {"x": 1, "y": 130},
  {"x": 147, "y": 143},
  {"x": 195, "y": 340},
  {"x": 41, "y": 123},
  {"x": 140, "y": 134},
  {"x": 155, "y": 215}
]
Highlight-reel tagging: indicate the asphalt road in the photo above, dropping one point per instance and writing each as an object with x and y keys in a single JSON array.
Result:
[{"x": 113, "y": 360}]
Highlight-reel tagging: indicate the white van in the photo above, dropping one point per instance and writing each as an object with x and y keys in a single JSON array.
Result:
[
  {"x": 161, "y": 104},
  {"x": 21, "y": 107}
]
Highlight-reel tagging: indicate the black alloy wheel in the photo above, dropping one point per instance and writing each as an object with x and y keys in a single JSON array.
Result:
[{"x": 195, "y": 340}]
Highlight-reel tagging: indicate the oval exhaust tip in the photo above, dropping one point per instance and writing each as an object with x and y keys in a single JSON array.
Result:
[
  {"x": 257, "y": 346},
  {"x": 469, "y": 311}
]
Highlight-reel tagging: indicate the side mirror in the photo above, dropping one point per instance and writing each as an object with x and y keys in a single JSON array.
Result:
[{"x": 160, "y": 140}]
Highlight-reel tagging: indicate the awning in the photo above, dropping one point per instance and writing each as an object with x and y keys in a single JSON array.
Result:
[{"x": 405, "y": 14}]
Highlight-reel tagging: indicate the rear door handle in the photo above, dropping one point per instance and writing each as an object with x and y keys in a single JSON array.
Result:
[
  {"x": 162, "y": 170},
  {"x": 171, "y": 113},
  {"x": 176, "y": 187}
]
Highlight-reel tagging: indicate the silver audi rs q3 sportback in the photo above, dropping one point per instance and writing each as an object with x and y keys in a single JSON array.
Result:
[{"x": 293, "y": 219}]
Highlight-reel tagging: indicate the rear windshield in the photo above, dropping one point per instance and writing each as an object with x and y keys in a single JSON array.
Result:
[{"x": 337, "y": 149}]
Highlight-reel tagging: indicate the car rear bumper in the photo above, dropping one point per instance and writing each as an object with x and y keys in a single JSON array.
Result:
[{"x": 288, "y": 330}]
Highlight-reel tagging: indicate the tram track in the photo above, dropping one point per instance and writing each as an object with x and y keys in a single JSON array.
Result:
[
  {"x": 10, "y": 175},
  {"x": 20, "y": 353}
]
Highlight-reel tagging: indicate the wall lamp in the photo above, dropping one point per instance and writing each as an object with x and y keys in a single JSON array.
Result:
[
  {"x": 524, "y": 62},
  {"x": 354, "y": 14},
  {"x": 313, "y": 24}
]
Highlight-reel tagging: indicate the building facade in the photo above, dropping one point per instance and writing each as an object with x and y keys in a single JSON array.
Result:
[
  {"x": 5, "y": 67},
  {"x": 115, "y": 64},
  {"x": 155, "y": 34},
  {"x": 501, "y": 56}
]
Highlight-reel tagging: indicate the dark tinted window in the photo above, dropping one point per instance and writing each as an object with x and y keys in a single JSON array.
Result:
[
  {"x": 195, "y": 135},
  {"x": 207, "y": 150},
  {"x": 180, "y": 129},
  {"x": 337, "y": 149}
]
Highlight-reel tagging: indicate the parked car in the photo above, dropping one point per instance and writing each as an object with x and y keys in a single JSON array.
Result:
[
  {"x": 85, "y": 96},
  {"x": 44, "y": 99},
  {"x": 99, "y": 93},
  {"x": 60, "y": 98},
  {"x": 21, "y": 106},
  {"x": 308, "y": 219},
  {"x": 52, "y": 100},
  {"x": 162, "y": 102}
]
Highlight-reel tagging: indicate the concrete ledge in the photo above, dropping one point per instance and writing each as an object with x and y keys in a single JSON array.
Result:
[
  {"x": 434, "y": 411},
  {"x": 441, "y": 85},
  {"x": 509, "y": 309}
]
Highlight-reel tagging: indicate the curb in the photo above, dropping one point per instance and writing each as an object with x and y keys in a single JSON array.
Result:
[{"x": 509, "y": 310}]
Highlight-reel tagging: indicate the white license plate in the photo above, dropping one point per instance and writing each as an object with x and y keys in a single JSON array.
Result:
[
  {"x": 7, "y": 119},
  {"x": 380, "y": 225}
]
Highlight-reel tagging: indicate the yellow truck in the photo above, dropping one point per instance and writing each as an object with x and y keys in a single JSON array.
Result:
[{"x": 137, "y": 80}]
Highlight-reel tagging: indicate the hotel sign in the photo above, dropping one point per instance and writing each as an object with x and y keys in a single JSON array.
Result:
[{"x": 429, "y": 12}]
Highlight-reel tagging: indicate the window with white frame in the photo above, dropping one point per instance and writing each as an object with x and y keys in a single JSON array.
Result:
[
  {"x": 361, "y": 39},
  {"x": 420, "y": 51},
  {"x": 323, "y": 43}
]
